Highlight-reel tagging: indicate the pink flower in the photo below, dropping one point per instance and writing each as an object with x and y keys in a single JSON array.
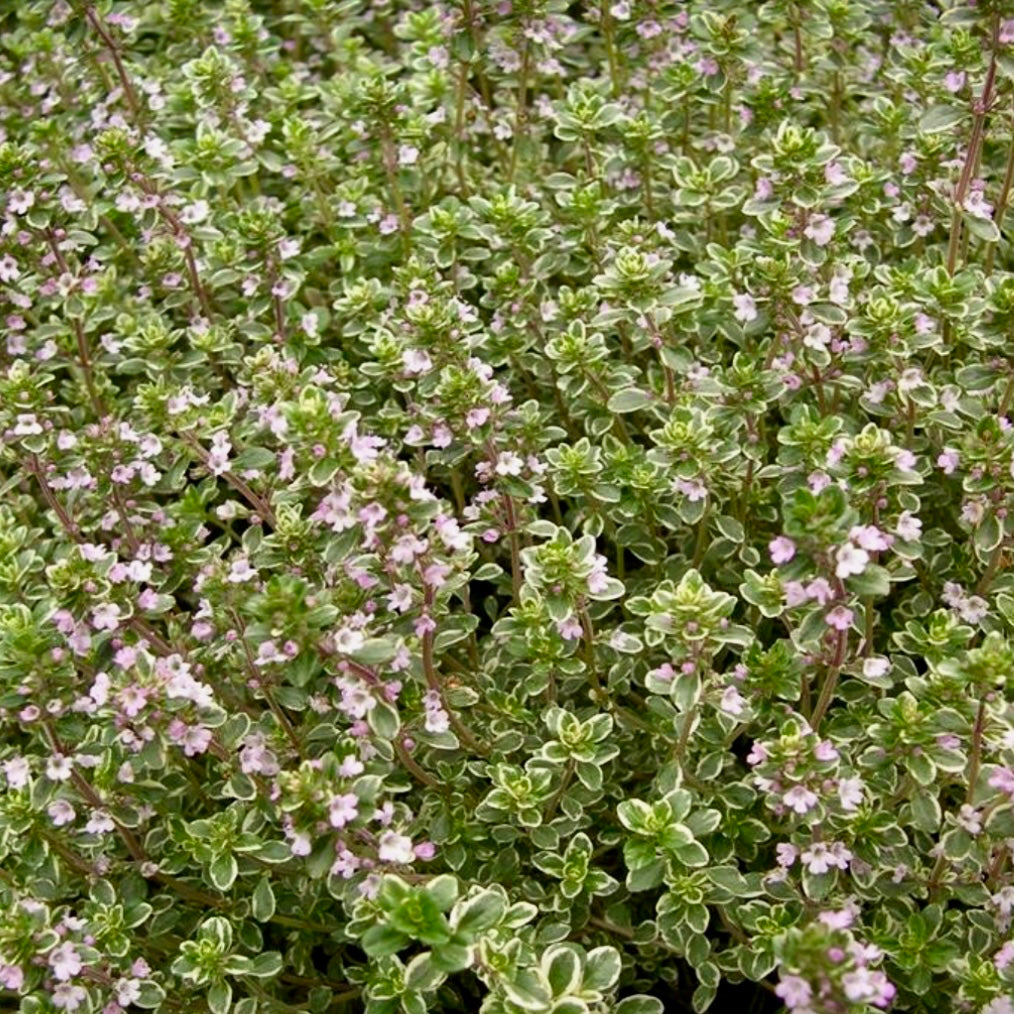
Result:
[
  {"x": 416, "y": 361},
  {"x": 16, "y": 771},
  {"x": 800, "y": 799},
  {"x": 866, "y": 985},
  {"x": 733, "y": 702},
  {"x": 839, "y": 920},
  {"x": 820, "y": 229},
  {"x": 692, "y": 489},
  {"x": 11, "y": 977},
  {"x": 1003, "y": 779},
  {"x": 65, "y": 961},
  {"x": 834, "y": 174},
  {"x": 569, "y": 629},
  {"x": 948, "y": 460},
  {"x": 1004, "y": 956},
  {"x": 746, "y": 308},
  {"x": 598, "y": 579},
  {"x": 61, "y": 812},
  {"x": 256, "y": 758},
  {"x": 825, "y": 751},
  {"x": 850, "y": 560},
  {"x": 795, "y": 991},
  {"x": 782, "y": 549},
  {"x": 106, "y": 616},
  {"x": 241, "y": 571},
  {"x": 954, "y": 80},
  {"x": 818, "y": 481},
  {"x": 875, "y": 667},
  {"x": 395, "y": 848},
  {"x": 300, "y": 844},
  {"x": 100, "y": 823},
  {"x": 840, "y": 618},
  {"x": 786, "y": 854},
  {"x": 59, "y": 768},
  {"x": 424, "y": 625},
  {"x": 67, "y": 997},
  {"x": 343, "y": 809},
  {"x": 870, "y": 538}
]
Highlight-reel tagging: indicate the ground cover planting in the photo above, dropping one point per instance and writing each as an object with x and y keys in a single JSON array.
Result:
[{"x": 505, "y": 506}]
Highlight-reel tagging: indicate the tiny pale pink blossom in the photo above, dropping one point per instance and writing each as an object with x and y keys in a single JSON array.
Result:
[
  {"x": 782, "y": 549},
  {"x": 746, "y": 308},
  {"x": 820, "y": 229},
  {"x": 840, "y": 618},
  {"x": 343, "y": 809},
  {"x": 395, "y": 848},
  {"x": 850, "y": 560},
  {"x": 800, "y": 799}
]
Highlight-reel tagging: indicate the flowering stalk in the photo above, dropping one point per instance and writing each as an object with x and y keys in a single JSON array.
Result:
[
  {"x": 980, "y": 110},
  {"x": 1001, "y": 207},
  {"x": 95, "y": 20}
]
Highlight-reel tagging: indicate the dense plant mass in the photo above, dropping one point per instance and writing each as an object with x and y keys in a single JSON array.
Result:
[{"x": 506, "y": 506}]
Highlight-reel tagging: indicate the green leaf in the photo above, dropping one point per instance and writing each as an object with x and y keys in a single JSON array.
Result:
[
  {"x": 383, "y": 720},
  {"x": 379, "y": 941},
  {"x": 274, "y": 852},
  {"x": 728, "y": 878},
  {"x": 217, "y": 929},
  {"x": 873, "y": 581},
  {"x": 939, "y": 118},
  {"x": 375, "y": 651},
  {"x": 602, "y": 969},
  {"x": 443, "y": 890},
  {"x": 645, "y": 878},
  {"x": 692, "y": 854},
  {"x": 630, "y": 399},
  {"x": 152, "y": 995},
  {"x": 703, "y": 998},
  {"x": 988, "y": 535},
  {"x": 452, "y": 957},
  {"x": 265, "y": 965},
  {"x": 220, "y": 997},
  {"x": 262, "y": 902},
  {"x": 223, "y": 871},
  {"x": 926, "y": 812},
  {"x": 562, "y": 968},
  {"x": 634, "y": 815},
  {"x": 981, "y": 228},
  {"x": 475, "y": 915},
  {"x": 422, "y": 974},
  {"x": 253, "y": 458},
  {"x": 640, "y": 1004},
  {"x": 526, "y": 991}
]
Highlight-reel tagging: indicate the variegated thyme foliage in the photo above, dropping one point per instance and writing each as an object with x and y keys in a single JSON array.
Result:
[{"x": 505, "y": 506}]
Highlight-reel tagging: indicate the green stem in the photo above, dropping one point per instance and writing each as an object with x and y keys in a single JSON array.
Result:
[
  {"x": 599, "y": 694},
  {"x": 568, "y": 774},
  {"x": 520, "y": 112},
  {"x": 609, "y": 37}
]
